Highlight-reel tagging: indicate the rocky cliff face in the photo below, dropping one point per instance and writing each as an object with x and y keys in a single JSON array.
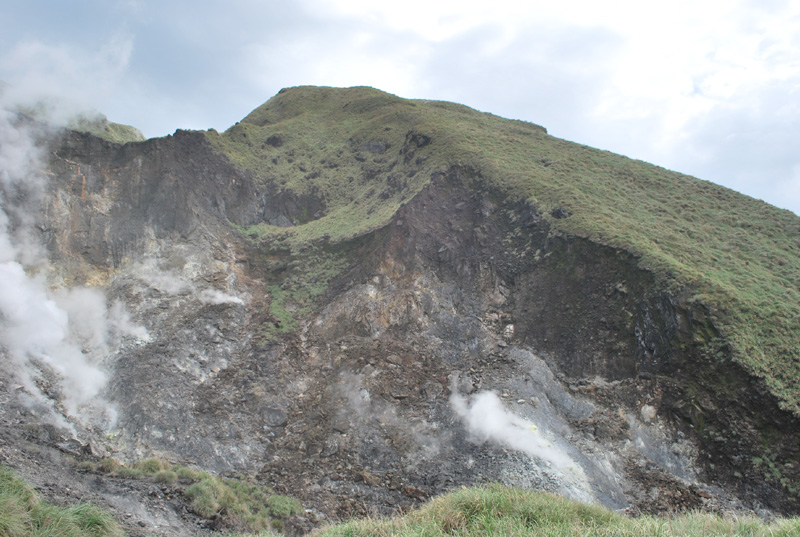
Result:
[{"x": 465, "y": 340}]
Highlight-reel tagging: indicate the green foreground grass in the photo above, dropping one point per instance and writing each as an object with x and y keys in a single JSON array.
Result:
[
  {"x": 492, "y": 510},
  {"x": 23, "y": 513},
  {"x": 504, "y": 512},
  {"x": 352, "y": 149}
]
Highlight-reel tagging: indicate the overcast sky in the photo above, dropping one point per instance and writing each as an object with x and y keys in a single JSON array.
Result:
[{"x": 705, "y": 87}]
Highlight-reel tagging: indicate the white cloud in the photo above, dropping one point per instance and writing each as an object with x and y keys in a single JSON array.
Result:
[
  {"x": 71, "y": 78},
  {"x": 646, "y": 80},
  {"x": 431, "y": 21}
]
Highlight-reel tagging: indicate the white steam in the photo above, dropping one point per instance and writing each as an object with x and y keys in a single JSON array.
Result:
[
  {"x": 36, "y": 330},
  {"x": 84, "y": 79},
  {"x": 166, "y": 282},
  {"x": 53, "y": 343},
  {"x": 215, "y": 296},
  {"x": 121, "y": 325},
  {"x": 488, "y": 420},
  {"x": 171, "y": 283}
]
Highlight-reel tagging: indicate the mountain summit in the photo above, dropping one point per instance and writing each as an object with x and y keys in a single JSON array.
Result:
[{"x": 361, "y": 301}]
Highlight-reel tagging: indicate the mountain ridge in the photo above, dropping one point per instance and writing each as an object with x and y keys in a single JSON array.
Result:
[
  {"x": 327, "y": 296},
  {"x": 667, "y": 242}
]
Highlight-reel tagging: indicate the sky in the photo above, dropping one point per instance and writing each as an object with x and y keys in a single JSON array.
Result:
[{"x": 709, "y": 88}]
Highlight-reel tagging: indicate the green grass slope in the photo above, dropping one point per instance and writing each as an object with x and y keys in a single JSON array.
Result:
[
  {"x": 100, "y": 126},
  {"x": 506, "y": 512},
  {"x": 339, "y": 145},
  {"x": 735, "y": 254},
  {"x": 23, "y": 513}
]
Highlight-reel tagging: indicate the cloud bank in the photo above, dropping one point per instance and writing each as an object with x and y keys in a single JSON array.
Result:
[
  {"x": 717, "y": 103},
  {"x": 706, "y": 89}
]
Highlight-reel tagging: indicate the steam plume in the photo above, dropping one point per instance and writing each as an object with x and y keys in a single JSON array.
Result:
[
  {"x": 215, "y": 297},
  {"x": 487, "y": 420},
  {"x": 173, "y": 283},
  {"x": 52, "y": 344}
]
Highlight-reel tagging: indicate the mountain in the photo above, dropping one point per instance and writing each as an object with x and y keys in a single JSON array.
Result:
[
  {"x": 362, "y": 301},
  {"x": 99, "y": 125}
]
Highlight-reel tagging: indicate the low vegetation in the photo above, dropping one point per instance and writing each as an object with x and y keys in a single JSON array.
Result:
[
  {"x": 295, "y": 282},
  {"x": 504, "y": 512},
  {"x": 23, "y": 513},
  {"x": 341, "y": 153},
  {"x": 359, "y": 154},
  {"x": 238, "y": 503},
  {"x": 492, "y": 510},
  {"x": 89, "y": 121}
]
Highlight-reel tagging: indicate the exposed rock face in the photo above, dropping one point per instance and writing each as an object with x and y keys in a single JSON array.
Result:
[{"x": 464, "y": 342}]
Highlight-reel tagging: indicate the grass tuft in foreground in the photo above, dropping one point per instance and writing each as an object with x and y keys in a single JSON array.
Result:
[
  {"x": 24, "y": 514},
  {"x": 505, "y": 512}
]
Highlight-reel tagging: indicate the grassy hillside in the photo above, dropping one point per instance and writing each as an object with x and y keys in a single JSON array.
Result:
[
  {"x": 340, "y": 146},
  {"x": 351, "y": 147},
  {"x": 505, "y": 512}
]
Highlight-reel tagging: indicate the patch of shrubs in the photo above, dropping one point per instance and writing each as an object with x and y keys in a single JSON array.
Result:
[{"x": 240, "y": 503}]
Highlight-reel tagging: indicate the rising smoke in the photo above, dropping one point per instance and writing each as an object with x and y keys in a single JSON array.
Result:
[
  {"x": 216, "y": 297},
  {"x": 170, "y": 282},
  {"x": 52, "y": 343},
  {"x": 488, "y": 420}
]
